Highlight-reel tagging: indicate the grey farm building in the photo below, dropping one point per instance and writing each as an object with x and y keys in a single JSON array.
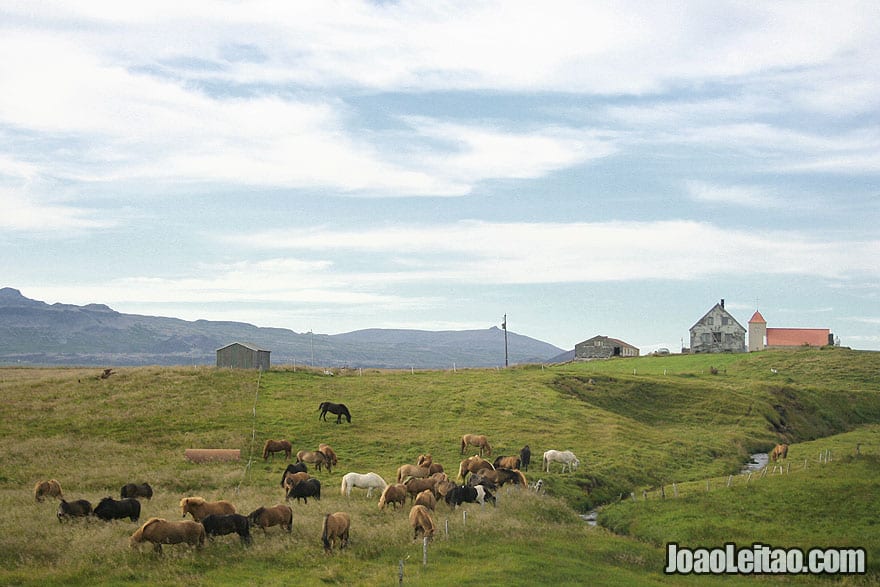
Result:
[{"x": 243, "y": 356}]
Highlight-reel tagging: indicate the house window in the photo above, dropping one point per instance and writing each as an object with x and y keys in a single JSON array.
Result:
[
  {"x": 597, "y": 343},
  {"x": 710, "y": 321},
  {"x": 725, "y": 321}
]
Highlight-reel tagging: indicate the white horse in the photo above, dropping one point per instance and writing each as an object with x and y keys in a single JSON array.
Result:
[
  {"x": 566, "y": 457},
  {"x": 368, "y": 481}
]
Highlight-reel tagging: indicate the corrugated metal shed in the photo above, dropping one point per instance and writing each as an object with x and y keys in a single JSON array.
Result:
[{"x": 243, "y": 356}]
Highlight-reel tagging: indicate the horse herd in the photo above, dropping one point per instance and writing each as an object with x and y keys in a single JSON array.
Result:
[{"x": 424, "y": 483}]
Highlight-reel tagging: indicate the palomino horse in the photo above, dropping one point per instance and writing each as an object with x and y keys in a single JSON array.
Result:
[
  {"x": 477, "y": 440},
  {"x": 404, "y": 471},
  {"x": 566, "y": 457},
  {"x": 339, "y": 409},
  {"x": 273, "y": 446},
  {"x": 314, "y": 457},
  {"x": 780, "y": 451},
  {"x": 368, "y": 481}
]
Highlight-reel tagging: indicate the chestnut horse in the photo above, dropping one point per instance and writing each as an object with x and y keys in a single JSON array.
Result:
[
  {"x": 273, "y": 446},
  {"x": 336, "y": 526},
  {"x": 780, "y": 451},
  {"x": 477, "y": 440}
]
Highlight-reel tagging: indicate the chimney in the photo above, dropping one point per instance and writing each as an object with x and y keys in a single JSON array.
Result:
[{"x": 722, "y": 303}]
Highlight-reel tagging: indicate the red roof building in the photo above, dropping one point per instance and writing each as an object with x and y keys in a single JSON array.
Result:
[{"x": 761, "y": 337}]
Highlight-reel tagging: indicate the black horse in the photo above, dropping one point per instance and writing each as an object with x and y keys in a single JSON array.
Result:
[
  {"x": 525, "y": 457},
  {"x": 297, "y": 468},
  {"x": 339, "y": 409}
]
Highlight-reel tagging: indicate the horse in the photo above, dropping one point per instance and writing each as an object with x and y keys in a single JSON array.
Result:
[
  {"x": 394, "y": 494},
  {"x": 328, "y": 452},
  {"x": 111, "y": 509},
  {"x": 780, "y": 451},
  {"x": 507, "y": 462},
  {"x": 223, "y": 524},
  {"x": 404, "y": 471},
  {"x": 472, "y": 465},
  {"x": 503, "y": 475},
  {"x": 421, "y": 521},
  {"x": 368, "y": 481},
  {"x": 198, "y": 508},
  {"x": 525, "y": 457},
  {"x": 415, "y": 485},
  {"x": 296, "y": 468},
  {"x": 339, "y": 409},
  {"x": 465, "y": 493},
  {"x": 313, "y": 457},
  {"x": 303, "y": 491},
  {"x": 79, "y": 508},
  {"x": 427, "y": 499},
  {"x": 336, "y": 526},
  {"x": 478, "y": 440},
  {"x": 566, "y": 457},
  {"x": 273, "y": 446},
  {"x": 136, "y": 490},
  {"x": 52, "y": 488},
  {"x": 291, "y": 480},
  {"x": 442, "y": 488},
  {"x": 160, "y": 531},
  {"x": 279, "y": 515}
]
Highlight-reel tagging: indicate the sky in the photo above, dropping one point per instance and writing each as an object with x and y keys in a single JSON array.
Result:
[{"x": 584, "y": 168}]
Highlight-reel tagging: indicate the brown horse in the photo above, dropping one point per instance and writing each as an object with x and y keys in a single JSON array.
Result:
[
  {"x": 291, "y": 480},
  {"x": 427, "y": 499},
  {"x": 477, "y": 440},
  {"x": 279, "y": 515},
  {"x": 780, "y": 451},
  {"x": 273, "y": 446},
  {"x": 404, "y": 471},
  {"x": 160, "y": 531},
  {"x": 52, "y": 488},
  {"x": 394, "y": 494},
  {"x": 502, "y": 475},
  {"x": 472, "y": 465},
  {"x": 336, "y": 526},
  {"x": 415, "y": 485},
  {"x": 421, "y": 521},
  {"x": 198, "y": 508},
  {"x": 328, "y": 452},
  {"x": 507, "y": 462},
  {"x": 313, "y": 457}
]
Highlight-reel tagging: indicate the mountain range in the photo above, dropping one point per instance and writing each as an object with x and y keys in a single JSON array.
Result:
[{"x": 36, "y": 333}]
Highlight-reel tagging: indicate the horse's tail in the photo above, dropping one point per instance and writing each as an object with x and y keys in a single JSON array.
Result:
[
  {"x": 463, "y": 444},
  {"x": 266, "y": 450},
  {"x": 343, "y": 486},
  {"x": 324, "y": 537}
]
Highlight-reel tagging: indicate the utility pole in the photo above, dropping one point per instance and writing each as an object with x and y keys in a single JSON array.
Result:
[{"x": 504, "y": 327}]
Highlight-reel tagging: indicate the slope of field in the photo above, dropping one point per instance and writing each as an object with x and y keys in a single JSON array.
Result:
[{"x": 634, "y": 424}]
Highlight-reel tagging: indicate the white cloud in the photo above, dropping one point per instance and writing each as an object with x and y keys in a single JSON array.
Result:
[
  {"x": 21, "y": 213},
  {"x": 737, "y": 195}
]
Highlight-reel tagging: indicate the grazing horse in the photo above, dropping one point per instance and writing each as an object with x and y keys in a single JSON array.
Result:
[
  {"x": 297, "y": 468},
  {"x": 328, "y": 452},
  {"x": 780, "y": 451},
  {"x": 507, "y": 462},
  {"x": 478, "y": 440},
  {"x": 427, "y": 499},
  {"x": 336, "y": 526},
  {"x": 79, "y": 508},
  {"x": 136, "y": 490},
  {"x": 291, "y": 480},
  {"x": 394, "y": 494},
  {"x": 566, "y": 457},
  {"x": 502, "y": 475},
  {"x": 198, "y": 508},
  {"x": 52, "y": 488},
  {"x": 313, "y": 457},
  {"x": 339, "y": 409},
  {"x": 464, "y": 493},
  {"x": 279, "y": 515},
  {"x": 273, "y": 446},
  {"x": 404, "y": 471},
  {"x": 160, "y": 531},
  {"x": 472, "y": 465},
  {"x": 111, "y": 509},
  {"x": 368, "y": 481},
  {"x": 525, "y": 457},
  {"x": 415, "y": 485},
  {"x": 304, "y": 490},
  {"x": 223, "y": 524},
  {"x": 421, "y": 521}
]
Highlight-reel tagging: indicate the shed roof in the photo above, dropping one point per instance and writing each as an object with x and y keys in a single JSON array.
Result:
[{"x": 250, "y": 346}]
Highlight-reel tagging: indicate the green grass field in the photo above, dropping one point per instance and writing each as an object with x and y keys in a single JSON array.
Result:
[{"x": 637, "y": 425}]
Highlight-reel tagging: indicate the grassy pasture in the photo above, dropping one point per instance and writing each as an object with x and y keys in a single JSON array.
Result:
[{"x": 634, "y": 424}]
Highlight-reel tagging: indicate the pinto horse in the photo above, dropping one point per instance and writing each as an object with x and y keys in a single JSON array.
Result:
[
  {"x": 339, "y": 409},
  {"x": 477, "y": 440},
  {"x": 780, "y": 451},
  {"x": 273, "y": 446}
]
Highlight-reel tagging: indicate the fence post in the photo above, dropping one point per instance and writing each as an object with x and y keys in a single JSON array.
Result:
[
  {"x": 805, "y": 463},
  {"x": 674, "y": 489},
  {"x": 425, "y": 551},
  {"x": 662, "y": 492},
  {"x": 749, "y": 478},
  {"x": 632, "y": 494},
  {"x": 464, "y": 517},
  {"x": 447, "y": 527},
  {"x": 729, "y": 480},
  {"x": 400, "y": 573},
  {"x": 707, "y": 485}
]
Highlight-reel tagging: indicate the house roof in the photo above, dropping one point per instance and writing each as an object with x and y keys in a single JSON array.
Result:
[
  {"x": 608, "y": 339},
  {"x": 756, "y": 317},
  {"x": 723, "y": 311},
  {"x": 797, "y": 336}
]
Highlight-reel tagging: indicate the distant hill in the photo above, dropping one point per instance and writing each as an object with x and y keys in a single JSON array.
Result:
[{"x": 36, "y": 333}]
